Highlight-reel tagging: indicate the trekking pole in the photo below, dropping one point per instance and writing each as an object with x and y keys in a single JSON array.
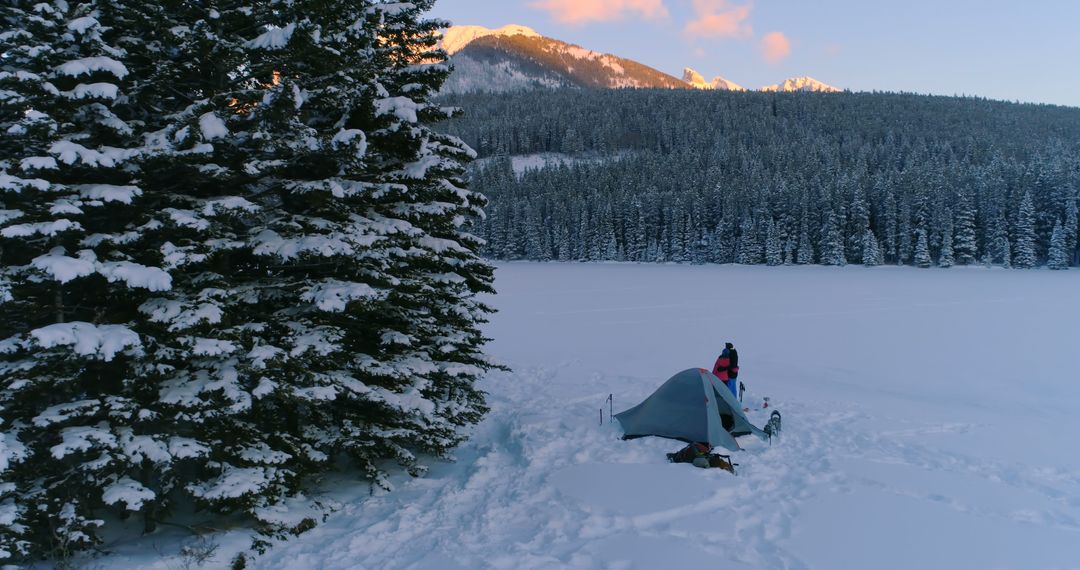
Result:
[
  {"x": 611, "y": 407},
  {"x": 601, "y": 416}
]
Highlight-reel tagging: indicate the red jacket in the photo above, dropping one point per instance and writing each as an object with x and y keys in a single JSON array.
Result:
[{"x": 720, "y": 369}]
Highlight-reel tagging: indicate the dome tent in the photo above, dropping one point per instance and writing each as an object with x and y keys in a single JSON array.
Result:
[{"x": 692, "y": 405}]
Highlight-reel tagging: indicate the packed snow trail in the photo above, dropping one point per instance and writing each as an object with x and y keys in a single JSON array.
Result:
[{"x": 542, "y": 485}]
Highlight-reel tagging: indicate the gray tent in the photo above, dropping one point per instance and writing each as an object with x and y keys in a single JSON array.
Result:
[{"x": 693, "y": 405}]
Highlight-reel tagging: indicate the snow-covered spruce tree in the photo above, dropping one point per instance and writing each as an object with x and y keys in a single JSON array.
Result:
[
  {"x": 76, "y": 262},
  {"x": 832, "y": 242},
  {"x": 965, "y": 245},
  {"x": 328, "y": 304},
  {"x": 889, "y": 240},
  {"x": 1069, "y": 228},
  {"x": 805, "y": 253},
  {"x": 871, "y": 252},
  {"x": 922, "y": 250},
  {"x": 774, "y": 253},
  {"x": 999, "y": 250},
  {"x": 1024, "y": 252},
  {"x": 946, "y": 256},
  {"x": 1058, "y": 258},
  {"x": 750, "y": 249},
  {"x": 859, "y": 223},
  {"x": 905, "y": 232}
]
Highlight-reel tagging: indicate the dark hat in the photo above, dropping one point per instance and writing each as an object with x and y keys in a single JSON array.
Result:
[{"x": 728, "y": 345}]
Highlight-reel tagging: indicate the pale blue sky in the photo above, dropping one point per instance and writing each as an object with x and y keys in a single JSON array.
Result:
[{"x": 1013, "y": 50}]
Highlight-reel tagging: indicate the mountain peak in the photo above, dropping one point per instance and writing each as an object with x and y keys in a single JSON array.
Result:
[
  {"x": 804, "y": 83},
  {"x": 725, "y": 85},
  {"x": 455, "y": 38},
  {"x": 695, "y": 80}
]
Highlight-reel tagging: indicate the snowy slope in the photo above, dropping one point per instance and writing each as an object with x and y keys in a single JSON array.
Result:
[
  {"x": 497, "y": 75},
  {"x": 929, "y": 422},
  {"x": 455, "y": 38},
  {"x": 516, "y": 57}
]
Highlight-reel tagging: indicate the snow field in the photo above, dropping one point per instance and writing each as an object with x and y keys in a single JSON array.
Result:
[{"x": 928, "y": 421}]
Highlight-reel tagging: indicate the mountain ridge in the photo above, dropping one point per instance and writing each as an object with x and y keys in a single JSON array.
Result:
[
  {"x": 516, "y": 57},
  {"x": 804, "y": 83}
]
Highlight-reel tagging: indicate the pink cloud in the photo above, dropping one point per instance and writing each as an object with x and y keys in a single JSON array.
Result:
[
  {"x": 775, "y": 47},
  {"x": 582, "y": 11},
  {"x": 719, "y": 19}
]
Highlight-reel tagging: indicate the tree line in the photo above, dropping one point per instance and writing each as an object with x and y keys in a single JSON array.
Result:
[{"x": 776, "y": 178}]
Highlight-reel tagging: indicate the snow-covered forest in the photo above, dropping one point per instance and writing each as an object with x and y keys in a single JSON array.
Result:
[
  {"x": 788, "y": 178},
  {"x": 233, "y": 257}
]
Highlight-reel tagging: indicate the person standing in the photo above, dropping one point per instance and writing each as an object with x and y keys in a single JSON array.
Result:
[
  {"x": 721, "y": 367},
  {"x": 733, "y": 366},
  {"x": 727, "y": 368}
]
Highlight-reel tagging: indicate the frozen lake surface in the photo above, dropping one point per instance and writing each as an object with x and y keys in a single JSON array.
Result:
[{"x": 930, "y": 421}]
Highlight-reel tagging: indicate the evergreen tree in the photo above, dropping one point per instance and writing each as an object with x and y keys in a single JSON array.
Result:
[
  {"x": 946, "y": 255},
  {"x": 946, "y": 258},
  {"x": 750, "y": 250},
  {"x": 832, "y": 243},
  {"x": 859, "y": 223},
  {"x": 774, "y": 255},
  {"x": 965, "y": 246},
  {"x": 922, "y": 249},
  {"x": 300, "y": 286},
  {"x": 662, "y": 246},
  {"x": 638, "y": 240},
  {"x": 77, "y": 258},
  {"x": 1058, "y": 258},
  {"x": 678, "y": 242},
  {"x": 562, "y": 244},
  {"x": 871, "y": 253},
  {"x": 904, "y": 245},
  {"x": 1000, "y": 249},
  {"x": 890, "y": 241},
  {"x": 805, "y": 253},
  {"x": 1024, "y": 253},
  {"x": 1069, "y": 229},
  {"x": 572, "y": 142}
]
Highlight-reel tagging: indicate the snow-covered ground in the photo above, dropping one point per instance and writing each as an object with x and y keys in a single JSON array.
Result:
[
  {"x": 523, "y": 163},
  {"x": 930, "y": 421}
]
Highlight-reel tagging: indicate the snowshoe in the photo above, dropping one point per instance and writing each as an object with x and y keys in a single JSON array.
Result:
[{"x": 722, "y": 462}]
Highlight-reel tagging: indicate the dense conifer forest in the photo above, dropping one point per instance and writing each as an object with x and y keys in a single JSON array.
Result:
[{"x": 775, "y": 178}]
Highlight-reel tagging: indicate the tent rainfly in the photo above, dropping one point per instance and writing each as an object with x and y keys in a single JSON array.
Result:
[{"x": 693, "y": 405}]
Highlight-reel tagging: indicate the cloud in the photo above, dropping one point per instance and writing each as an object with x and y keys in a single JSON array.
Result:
[
  {"x": 775, "y": 47},
  {"x": 719, "y": 19},
  {"x": 582, "y": 11}
]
